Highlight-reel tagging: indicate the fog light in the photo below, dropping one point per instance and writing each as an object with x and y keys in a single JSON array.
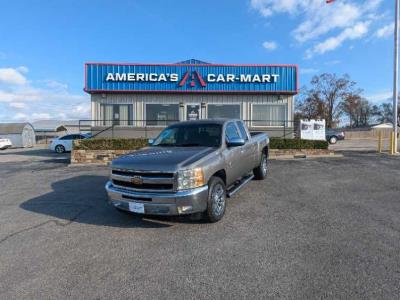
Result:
[{"x": 184, "y": 209}]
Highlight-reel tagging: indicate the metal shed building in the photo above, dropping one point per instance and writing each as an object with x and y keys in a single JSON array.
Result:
[
  {"x": 47, "y": 129},
  {"x": 134, "y": 96},
  {"x": 20, "y": 134}
]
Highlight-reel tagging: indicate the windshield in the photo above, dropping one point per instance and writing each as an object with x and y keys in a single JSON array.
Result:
[{"x": 190, "y": 135}]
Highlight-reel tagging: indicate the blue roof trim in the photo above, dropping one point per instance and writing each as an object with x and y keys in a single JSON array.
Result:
[{"x": 192, "y": 61}]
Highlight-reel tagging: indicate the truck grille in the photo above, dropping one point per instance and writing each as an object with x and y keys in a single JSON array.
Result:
[
  {"x": 143, "y": 174},
  {"x": 143, "y": 181}
]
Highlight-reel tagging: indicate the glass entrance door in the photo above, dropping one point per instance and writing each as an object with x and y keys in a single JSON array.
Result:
[{"x": 192, "y": 111}]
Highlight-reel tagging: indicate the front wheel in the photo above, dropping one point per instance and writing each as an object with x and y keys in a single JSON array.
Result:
[
  {"x": 261, "y": 171},
  {"x": 216, "y": 203},
  {"x": 59, "y": 149},
  {"x": 333, "y": 140}
]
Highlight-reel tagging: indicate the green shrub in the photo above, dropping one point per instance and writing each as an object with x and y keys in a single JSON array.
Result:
[
  {"x": 134, "y": 144},
  {"x": 110, "y": 144},
  {"x": 277, "y": 143}
]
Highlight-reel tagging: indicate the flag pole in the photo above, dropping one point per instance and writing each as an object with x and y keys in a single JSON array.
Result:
[{"x": 395, "y": 72}]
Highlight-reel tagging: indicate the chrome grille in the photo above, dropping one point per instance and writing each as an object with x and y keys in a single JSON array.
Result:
[{"x": 143, "y": 181}]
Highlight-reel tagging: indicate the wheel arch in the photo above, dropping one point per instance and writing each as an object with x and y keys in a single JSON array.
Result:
[
  {"x": 265, "y": 150},
  {"x": 221, "y": 174}
]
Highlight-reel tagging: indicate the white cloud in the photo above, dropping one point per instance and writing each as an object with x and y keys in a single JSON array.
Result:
[
  {"x": 41, "y": 116},
  {"x": 357, "y": 31},
  {"x": 324, "y": 18},
  {"x": 308, "y": 71},
  {"x": 12, "y": 76},
  {"x": 332, "y": 62},
  {"x": 385, "y": 31},
  {"x": 317, "y": 19},
  {"x": 270, "y": 45},
  {"x": 22, "y": 69},
  {"x": 55, "y": 84},
  {"x": 41, "y": 99},
  {"x": 18, "y": 105},
  {"x": 379, "y": 97},
  {"x": 20, "y": 117}
]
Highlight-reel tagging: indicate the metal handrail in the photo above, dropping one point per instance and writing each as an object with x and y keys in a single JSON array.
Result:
[{"x": 289, "y": 127}]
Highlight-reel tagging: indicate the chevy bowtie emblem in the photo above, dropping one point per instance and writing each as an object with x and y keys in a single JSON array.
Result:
[
  {"x": 137, "y": 180},
  {"x": 194, "y": 75}
]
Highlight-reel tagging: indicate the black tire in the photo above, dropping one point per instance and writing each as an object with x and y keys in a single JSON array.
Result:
[
  {"x": 261, "y": 171},
  {"x": 333, "y": 140},
  {"x": 216, "y": 202},
  {"x": 59, "y": 149}
]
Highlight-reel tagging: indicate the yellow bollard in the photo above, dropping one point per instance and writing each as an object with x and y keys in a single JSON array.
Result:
[
  {"x": 391, "y": 146},
  {"x": 380, "y": 141}
]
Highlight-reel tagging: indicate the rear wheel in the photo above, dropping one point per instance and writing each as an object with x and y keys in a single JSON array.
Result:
[
  {"x": 59, "y": 149},
  {"x": 262, "y": 170},
  {"x": 333, "y": 140},
  {"x": 216, "y": 200}
]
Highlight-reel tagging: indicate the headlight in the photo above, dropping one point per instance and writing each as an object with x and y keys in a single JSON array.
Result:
[{"x": 190, "y": 179}]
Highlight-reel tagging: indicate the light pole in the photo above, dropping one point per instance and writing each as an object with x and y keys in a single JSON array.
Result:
[{"x": 396, "y": 66}]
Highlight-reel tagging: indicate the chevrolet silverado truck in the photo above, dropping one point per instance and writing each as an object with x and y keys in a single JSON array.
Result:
[{"x": 190, "y": 168}]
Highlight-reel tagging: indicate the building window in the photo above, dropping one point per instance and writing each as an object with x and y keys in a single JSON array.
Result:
[
  {"x": 269, "y": 115},
  {"x": 162, "y": 114},
  {"x": 229, "y": 111},
  {"x": 116, "y": 114}
]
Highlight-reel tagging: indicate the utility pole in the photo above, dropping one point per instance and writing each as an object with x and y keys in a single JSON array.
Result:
[{"x": 396, "y": 76}]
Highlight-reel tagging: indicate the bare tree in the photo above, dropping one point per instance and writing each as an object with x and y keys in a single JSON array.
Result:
[
  {"x": 358, "y": 109},
  {"x": 326, "y": 96},
  {"x": 308, "y": 106}
]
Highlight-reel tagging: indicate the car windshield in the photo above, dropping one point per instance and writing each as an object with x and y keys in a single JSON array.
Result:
[{"x": 190, "y": 135}]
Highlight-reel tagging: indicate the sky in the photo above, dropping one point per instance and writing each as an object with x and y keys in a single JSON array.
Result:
[{"x": 44, "y": 44}]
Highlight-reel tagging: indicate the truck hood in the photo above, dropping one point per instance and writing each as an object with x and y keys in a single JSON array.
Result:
[{"x": 161, "y": 158}]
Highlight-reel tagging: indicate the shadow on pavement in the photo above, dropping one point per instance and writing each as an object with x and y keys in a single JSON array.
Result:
[
  {"x": 29, "y": 152},
  {"x": 36, "y": 154},
  {"x": 83, "y": 199}
]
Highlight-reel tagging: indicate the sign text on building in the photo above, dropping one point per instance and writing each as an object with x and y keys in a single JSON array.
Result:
[{"x": 187, "y": 78}]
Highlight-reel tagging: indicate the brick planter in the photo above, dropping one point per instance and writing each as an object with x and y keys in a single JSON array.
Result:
[
  {"x": 95, "y": 156},
  {"x": 106, "y": 156},
  {"x": 276, "y": 153}
]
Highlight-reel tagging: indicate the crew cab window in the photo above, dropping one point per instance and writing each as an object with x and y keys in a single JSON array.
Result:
[
  {"x": 242, "y": 130},
  {"x": 231, "y": 132}
]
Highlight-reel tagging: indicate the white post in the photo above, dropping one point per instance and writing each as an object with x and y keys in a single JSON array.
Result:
[{"x": 396, "y": 76}]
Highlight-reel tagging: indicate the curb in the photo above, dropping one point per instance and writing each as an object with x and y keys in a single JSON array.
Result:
[
  {"x": 88, "y": 164},
  {"x": 304, "y": 156}
]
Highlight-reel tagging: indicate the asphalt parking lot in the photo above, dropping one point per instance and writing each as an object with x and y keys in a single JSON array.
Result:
[{"x": 316, "y": 228}]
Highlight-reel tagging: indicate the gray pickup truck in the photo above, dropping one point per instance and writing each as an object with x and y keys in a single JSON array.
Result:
[{"x": 190, "y": 168}]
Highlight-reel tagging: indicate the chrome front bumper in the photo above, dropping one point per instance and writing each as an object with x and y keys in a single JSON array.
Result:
[{"x": 178, "y": 203}]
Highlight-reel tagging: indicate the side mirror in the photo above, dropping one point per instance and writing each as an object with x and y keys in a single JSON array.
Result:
[
  {"x": 150, "y": 142},
  {"x": 235, "y": 142}
]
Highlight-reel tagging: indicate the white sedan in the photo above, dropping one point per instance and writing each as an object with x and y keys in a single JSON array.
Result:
[
  {"x": 64, "y": 143},
  {"x": 5, "y": 143}
]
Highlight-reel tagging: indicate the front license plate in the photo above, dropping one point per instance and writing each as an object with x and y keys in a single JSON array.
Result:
[{"x": 136, "y": 207}]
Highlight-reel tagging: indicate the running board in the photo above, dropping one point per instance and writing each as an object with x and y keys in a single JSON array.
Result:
[{"x": 238, "y": 186}]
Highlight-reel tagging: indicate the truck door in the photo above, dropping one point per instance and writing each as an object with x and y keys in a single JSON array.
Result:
[
  {"x": 234, "y": 156},
  {"x": 249, "y": 149}
]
